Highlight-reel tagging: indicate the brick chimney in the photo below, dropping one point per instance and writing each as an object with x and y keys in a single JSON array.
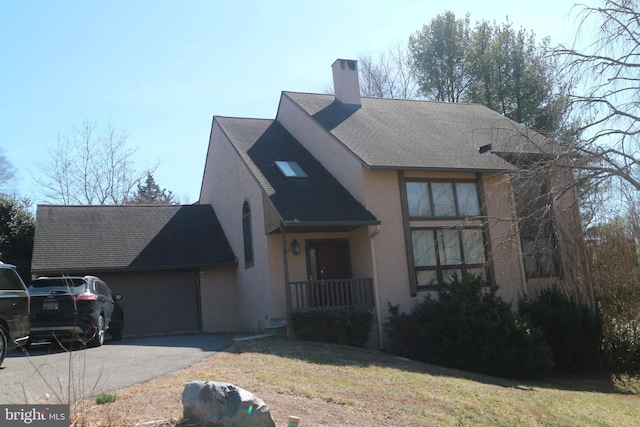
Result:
[{"x": 345, "y": 81}]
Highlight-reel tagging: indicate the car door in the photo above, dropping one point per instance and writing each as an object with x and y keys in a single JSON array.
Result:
[
  {"x": 14, "y": 305},
  {"x": 105, "y": 298}
]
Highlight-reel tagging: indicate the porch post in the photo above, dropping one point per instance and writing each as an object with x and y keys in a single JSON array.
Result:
[
  {"x": 376, "y": 289},
  {"x": 285, "y": 263}
]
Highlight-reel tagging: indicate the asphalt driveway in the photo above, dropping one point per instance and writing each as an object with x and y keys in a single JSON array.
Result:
[{"x": 48, "y": 369}]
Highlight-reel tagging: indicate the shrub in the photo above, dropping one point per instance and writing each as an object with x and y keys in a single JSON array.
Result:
[
  {"x": 621, "y": 348},
  {"x": 469, "y": 327},
  {"x": 615, "y": 274},
  {"x": 571, "y": 329},
  {"x": 350, "y": 326}
]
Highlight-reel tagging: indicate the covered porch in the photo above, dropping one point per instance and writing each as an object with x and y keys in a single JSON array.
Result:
[
  {"x": 329, "y": 266},
  {"x": 326, "y": 250},
  {"x": 332, "y": 270}
]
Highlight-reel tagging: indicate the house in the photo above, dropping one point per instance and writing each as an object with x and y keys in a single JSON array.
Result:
[{"x": 343, "y": 200}]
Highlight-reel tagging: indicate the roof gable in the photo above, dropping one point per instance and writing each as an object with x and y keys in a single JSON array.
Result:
[
  {"x": 316, "y": 199},
  {"x": 128, "y": 237}
]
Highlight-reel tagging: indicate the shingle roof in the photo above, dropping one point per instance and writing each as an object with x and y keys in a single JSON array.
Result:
[
  {"x": 318, "y": 199},
  {"x": 410, "y": 134},
  {"x": 127, "y": 237}
]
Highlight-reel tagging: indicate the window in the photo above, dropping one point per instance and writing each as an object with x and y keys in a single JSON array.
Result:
[
  {"x": 291, "y": 169},
  {"x": 9, "y": 280},
  {"x": 442, "y": 199},
  {"x": 103, "y": 289},
  {"x": 247, "y": 236},
  {"x": 534, "y": 209},
  {"x": 438, "y": 253},
  {"x": 441, "y": 248}
]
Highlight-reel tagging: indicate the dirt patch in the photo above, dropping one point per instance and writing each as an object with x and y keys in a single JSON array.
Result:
[{"x": 158, "y": 402}]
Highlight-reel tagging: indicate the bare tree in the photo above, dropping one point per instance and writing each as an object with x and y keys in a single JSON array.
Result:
[
  {"x": 607, "y": 90},
  {"x": 85, "y": 168},
  {"x": 388, "y": 75},
  {"x": 605, "y": 154},
  {"x": 7, "y": 172}
]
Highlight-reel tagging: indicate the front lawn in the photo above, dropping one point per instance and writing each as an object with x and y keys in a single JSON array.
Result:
[{"x": 334, "y": 385}]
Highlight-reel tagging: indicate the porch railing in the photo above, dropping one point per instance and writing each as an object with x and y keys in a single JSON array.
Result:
[{"x": 331, "y": 294}]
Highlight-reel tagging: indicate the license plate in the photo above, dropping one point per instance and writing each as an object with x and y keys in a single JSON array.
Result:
[{"x": 50, "y": 305}]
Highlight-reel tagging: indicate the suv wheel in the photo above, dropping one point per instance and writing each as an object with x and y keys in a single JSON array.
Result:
[
  {"x": 3, "y": 345},
  {"x": 98, "y": 338}
]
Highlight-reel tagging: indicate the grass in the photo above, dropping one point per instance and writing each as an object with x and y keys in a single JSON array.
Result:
[
  {"x": 103, "y": 398},
  {"x": 335, "y": 385}
]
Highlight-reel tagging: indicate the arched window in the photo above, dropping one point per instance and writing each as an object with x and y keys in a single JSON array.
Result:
[{"x": 246, "y": 233}]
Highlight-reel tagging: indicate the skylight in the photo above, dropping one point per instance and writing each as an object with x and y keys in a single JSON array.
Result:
[{"x": 291, "y": 169}]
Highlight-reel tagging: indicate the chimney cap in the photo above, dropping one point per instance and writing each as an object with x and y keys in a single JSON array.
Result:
[
  {"x": 347, "y": 64},
  {"x": 345, "y": 81}
]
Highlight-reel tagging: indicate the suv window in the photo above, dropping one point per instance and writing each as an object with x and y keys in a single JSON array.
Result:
[
  {"x": 99, "y": 289},
  {"x": 103, "y": 289},
  {"x": 9, "y": 280},
  {"x": 43, "y": 286},
  {"x": 57, "y": 283}
]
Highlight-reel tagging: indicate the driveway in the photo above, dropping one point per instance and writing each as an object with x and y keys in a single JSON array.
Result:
[{"x": 117, "y": 364}]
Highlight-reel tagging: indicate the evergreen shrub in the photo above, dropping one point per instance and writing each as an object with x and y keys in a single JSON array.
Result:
[
  {"x": 571, "y": 329},
  {"x": 350, "y": 326},
  {"x": 468, "y": 326}
]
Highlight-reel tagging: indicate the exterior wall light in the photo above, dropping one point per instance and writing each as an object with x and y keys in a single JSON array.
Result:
[{"x": 295, "y": 247}]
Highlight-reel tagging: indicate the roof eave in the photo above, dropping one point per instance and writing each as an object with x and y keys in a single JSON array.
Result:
[
  {"x": 441, "y": 169},
  {"x": 326, "y": 226},
  {"x": 132, "y": 269}
]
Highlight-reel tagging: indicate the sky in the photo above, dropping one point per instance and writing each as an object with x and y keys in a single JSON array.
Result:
[{"x": 160, "y": 70}]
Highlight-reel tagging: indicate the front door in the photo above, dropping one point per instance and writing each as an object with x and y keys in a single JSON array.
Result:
[
  {"x": 328, "y": 259},
  {"x": 329, "y": 272}
]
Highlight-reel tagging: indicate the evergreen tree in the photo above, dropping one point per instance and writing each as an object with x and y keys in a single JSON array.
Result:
[
  {"x": 150, "y": 193},
  {"x": 493, "y": 65},
  {"x": 439, "y": 57},
  {"x": 17, "y": 226}
]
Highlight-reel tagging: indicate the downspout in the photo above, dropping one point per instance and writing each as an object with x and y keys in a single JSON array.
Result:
[
  {"x": 376, "y": 288},
  {"x": 198, "y": 272}
]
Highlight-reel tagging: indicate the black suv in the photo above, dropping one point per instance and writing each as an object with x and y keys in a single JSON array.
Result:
[
  {"x": 82, "y": 308},
  {"x": 14, "y": 310}
]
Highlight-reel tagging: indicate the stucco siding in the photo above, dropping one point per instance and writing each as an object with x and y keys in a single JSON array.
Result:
[
  {"x": 392, "y": 274},
  {"x": 276, "y": 278},
  {"x": 504, "y": 238},
  {"x": 360, "y": 245},
  {"x": 227, "y": 184},
  {"x": 218, "y": 298}
]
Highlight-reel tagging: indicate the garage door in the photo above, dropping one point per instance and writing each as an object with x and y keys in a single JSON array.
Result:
[{"x": 157, "y": 303}]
